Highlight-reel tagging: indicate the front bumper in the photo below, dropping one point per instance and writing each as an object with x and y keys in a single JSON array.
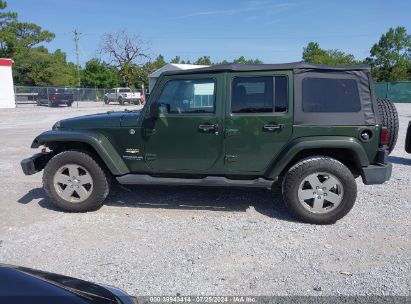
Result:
[{"x": 35, "y": 163}]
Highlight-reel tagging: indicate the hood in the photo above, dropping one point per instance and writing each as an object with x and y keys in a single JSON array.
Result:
[
  {"x": 26, "y": 282},
  {"x": 103, "y": 120}
]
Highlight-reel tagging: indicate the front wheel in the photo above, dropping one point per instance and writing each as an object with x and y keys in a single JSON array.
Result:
[
  {"x": 75, "y": 182},
  {"x": 319, "y": 190}
]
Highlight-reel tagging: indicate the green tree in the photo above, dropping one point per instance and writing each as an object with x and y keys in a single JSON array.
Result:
[
  {"x": 15, "y": 35},
  {"x": 34, "y": 65},
  {"x": 176, "y": 60},
  {"x": 312, "y": 53},
  {"x": 204, "y": 60},
  {"x": 243, "y": 60},
  {"x": 147, "y": 69},
  {"x": 391, "y": 56},
  {"x": 97, "y": 73},
  {"x": 37, "y": 67}
]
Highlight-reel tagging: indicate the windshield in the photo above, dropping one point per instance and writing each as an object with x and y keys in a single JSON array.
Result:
[{"x": 124, "y": 90}]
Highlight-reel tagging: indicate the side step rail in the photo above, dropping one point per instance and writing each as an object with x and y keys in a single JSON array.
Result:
[{"x": 217, "y": 181}]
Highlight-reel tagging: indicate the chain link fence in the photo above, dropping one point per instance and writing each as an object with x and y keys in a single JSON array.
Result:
[
  {"x": 399, "y": 91},
  {"x": 34, "y": 95}
]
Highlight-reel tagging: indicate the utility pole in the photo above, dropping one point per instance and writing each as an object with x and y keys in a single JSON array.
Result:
[{"x": 76, "y": 39}]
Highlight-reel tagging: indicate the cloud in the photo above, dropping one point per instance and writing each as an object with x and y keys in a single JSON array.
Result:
[{"x": 256, "y": 6}]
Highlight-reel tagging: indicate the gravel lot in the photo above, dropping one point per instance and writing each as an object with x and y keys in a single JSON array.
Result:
[{"x": 202, "y": 241}]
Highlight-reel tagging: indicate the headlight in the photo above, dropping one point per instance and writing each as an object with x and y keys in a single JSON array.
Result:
[{"x": 56, "y": 126}]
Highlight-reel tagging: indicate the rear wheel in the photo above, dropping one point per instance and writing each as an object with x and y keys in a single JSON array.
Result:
[
  {"x": 389, "y": 119},
  {"x": 408, "y": 138},
  {"x": 120, "y": 101},
  {"x": 75, "y": 182},
  {"x": 319, "y": 190}
]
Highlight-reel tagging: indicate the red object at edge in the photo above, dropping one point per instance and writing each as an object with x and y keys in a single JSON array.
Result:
[{"x": 6, "y": 62}]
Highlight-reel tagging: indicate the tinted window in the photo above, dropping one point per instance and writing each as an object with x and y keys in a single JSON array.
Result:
[
  {"x": 124, "y": 90},
  {"x": 188, "y": 96},
  {"x": 330, "y": 95},
  {"x": 259, "y": 94}
]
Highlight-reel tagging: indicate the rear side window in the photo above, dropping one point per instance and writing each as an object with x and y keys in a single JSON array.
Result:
[
  {"x": 330, "y": 95},
  {"x": 264, "y": 94}
]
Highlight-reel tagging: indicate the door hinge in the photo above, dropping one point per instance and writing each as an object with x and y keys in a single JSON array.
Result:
[
  {"x": 231, "y": 158},
  {"x": 149, "y": 157},
  {"x": 230, "y": 132}
]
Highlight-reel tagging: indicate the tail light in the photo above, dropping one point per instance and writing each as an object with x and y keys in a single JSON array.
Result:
[
  {"x": 384, "y": 136},
  {"x": 125, "y": 95},
  {"x": 53, "y": 97}
]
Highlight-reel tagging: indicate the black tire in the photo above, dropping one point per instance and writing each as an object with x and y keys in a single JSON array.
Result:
[
  {"x": 120, "y": 101},
  {"x": 408, "y": 139},
  {"x": 389, "y": 119},
  {"x": 106, "y": 100},
  {"x": 312, "y": 165},
  {"x": 100, "y": 179},
  {"x": 69, "y": 104}
]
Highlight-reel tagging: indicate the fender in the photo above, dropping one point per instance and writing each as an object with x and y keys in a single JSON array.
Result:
[
  {"x": 98, "y": 141},
  {"x": 315, "y": 142}
]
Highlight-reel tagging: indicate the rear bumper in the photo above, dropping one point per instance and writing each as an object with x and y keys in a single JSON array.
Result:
[
  {"x": 63, "y": 101},
  {"x": 380, "y": 172},
  {"x": 376, "y": 174},
  {"x": 134, "y": 100},
  {"x": 35, "y": 163}
]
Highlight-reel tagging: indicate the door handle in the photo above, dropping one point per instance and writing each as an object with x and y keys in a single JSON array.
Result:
[
  {"x": 273, "y": 127},
  {"x": 208, "y": 128}
]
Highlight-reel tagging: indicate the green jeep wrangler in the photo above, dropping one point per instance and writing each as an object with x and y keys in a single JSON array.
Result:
[{"x": 311, "y": 128}]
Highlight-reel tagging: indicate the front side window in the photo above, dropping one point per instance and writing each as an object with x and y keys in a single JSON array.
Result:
[
  {"x": 259, "y": 94},
  {"x": 188, "y": 96},
  {"x": 330, "y": 95}
]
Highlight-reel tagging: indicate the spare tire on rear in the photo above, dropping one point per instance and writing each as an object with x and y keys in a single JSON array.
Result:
[{"x": 389, "y": 119}]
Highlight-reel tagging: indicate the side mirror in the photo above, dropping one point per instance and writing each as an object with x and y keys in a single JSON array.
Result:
[{"x": 154, "y": 110}]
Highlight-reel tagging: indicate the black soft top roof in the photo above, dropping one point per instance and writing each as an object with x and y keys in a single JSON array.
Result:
[{"x": 270, "y": 67}]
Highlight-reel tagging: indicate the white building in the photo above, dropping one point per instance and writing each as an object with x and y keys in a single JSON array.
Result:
[
  {"x": 152, "y": 78},
  {"x": 7, "y": 99}
]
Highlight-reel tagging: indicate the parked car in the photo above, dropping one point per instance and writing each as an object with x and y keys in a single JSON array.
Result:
[
  {"x": 55, "y": 97},
  {"x": 26, "y": 285},
  {"x": 408, "y": 139},
  {"x": 311, "y": 128},
  {"x": 122, "y": 95}
]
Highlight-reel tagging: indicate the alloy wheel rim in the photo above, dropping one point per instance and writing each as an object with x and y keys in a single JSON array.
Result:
[
  {"x": 73, "y": 183},
  {"x": 320, "y": 192}
]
